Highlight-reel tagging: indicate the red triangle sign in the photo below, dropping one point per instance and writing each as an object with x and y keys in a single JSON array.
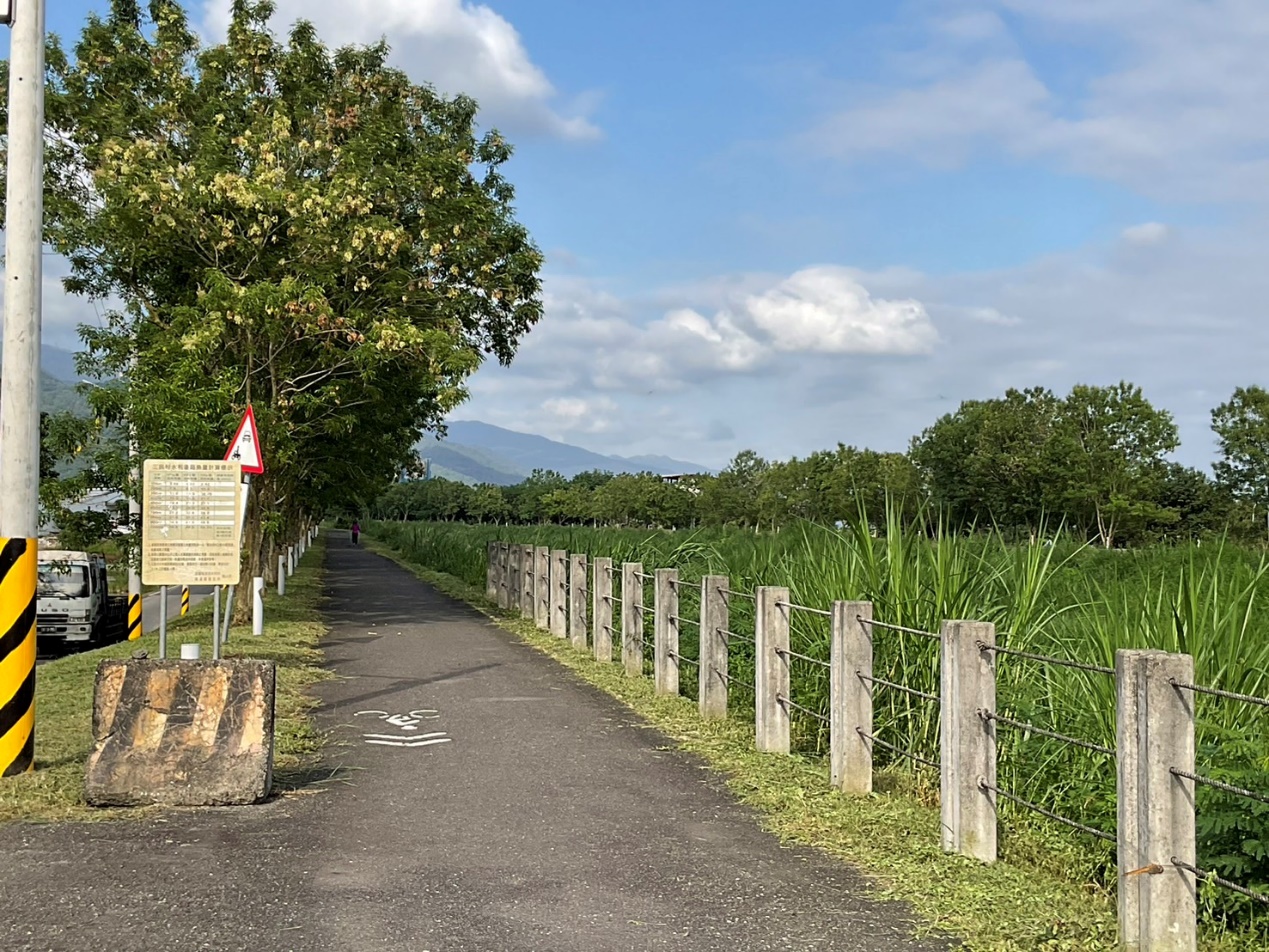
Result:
[{"x": 245, "y": 448}]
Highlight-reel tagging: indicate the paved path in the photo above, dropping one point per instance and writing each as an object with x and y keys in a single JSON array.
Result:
[{"x": 550, "y": 819}]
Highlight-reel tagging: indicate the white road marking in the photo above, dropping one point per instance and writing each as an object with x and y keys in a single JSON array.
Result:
[
  {"x": 399, "y": 737},
  {"x": 411, "y": 743}
]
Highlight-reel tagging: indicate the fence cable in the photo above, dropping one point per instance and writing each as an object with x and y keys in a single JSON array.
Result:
[
  {"x": 1033, "y": 729},
  {"x": 728, "y": 592},
  {"x": 729, "y": 635},
  {"x": 1218, "y": 785},
  {"x": 897, "y": 687},
  {"x": 804, "y": 608},
  {"x": 1211, "y": 877},
  {"x": 903, "y": 628},
  {"x": 1014, "y": 798},
  {"x": 785, "y": 652},
  {"x": 789, "y": 702},
  {"x": 685, "y": 621},
  {"x": 681, "y": 660},
  {"x": 728, "y": 680},
  {"x": 1047, "y": 659},
  {"x": 1216, "y": 692},
  {"x": 898, "y": 750}
]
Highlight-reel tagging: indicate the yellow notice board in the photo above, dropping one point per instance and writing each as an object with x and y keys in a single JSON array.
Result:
[{"x": 189, "y": 522}]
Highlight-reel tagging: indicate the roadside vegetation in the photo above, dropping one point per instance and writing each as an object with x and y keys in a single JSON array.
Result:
[
  {"x": 54, "y": 791},
  {"x": 1065, "y": 598}
]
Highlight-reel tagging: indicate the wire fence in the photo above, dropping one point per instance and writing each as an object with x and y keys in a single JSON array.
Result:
[
  {"x": 1036, "y": 808},
  {"x": 873, "y": 623}
]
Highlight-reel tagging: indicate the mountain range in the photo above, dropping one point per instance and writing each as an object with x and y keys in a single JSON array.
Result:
[
  {"x": 471, "y": 452},
  {"x": 475, "y": 452}
]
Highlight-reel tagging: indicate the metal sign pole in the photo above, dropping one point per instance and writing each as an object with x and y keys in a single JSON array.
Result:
[
  {"x": 216, "y": 623},
  {"x": 162, "y": 622},
  {"x": 242, "y": 531}
]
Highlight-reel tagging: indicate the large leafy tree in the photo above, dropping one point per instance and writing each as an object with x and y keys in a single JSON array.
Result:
[
  {"x": 306, "y": 231},
  {"x": 1242, "y": 429}
]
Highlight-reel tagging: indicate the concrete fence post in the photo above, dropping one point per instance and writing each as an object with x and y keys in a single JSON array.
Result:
[
  {"x": 632, "y": 618},
  {"x": 257, "y": 606},
  {"x": 577, "y": 602},
  {"x": 771, "y": 670},
  {"x": 601, "y": 613},
  {"x": 967, "y": 740},
  {"x": 491, "y": 571},
  {"x": 281, "y": 574},
  {"x": 542, "y": 587},
  {"x": 290, "y": 560},
  {"x": 528, "y": 557},
  {"x": 665, "y": 644},
  {"x": 850, "y": 698},
  {"x": 712, "y": 686},
  {"x": 1156, "y": 817},
  {"x": 500, "y": 574},
  {"x": 558, "y": 606}
]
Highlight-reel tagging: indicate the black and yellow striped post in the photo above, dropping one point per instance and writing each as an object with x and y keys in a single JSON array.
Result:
[
  {"x": 184, "y": 599},
  {"x": 134, "y": 616},
  {"x": 18, "y": 576}
]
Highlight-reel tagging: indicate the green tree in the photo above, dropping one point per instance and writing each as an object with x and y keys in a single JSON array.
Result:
[
  {"x": 305, "y": 231},
  {"x": 1242, "y": 430}
]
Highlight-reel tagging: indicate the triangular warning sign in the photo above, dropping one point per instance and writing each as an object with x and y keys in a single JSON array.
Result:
[{"x": 245, "y": 448}]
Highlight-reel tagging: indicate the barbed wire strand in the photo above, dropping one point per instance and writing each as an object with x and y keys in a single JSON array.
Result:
[
  {"x": 1046, "y": 659},
  {"x": 898, "y": 750},
  {"x": 1218, "y": 785},
  {"x": 801, "y": 657},
  {"x": 789, "y": 702},
  {"x": 1067, "y": 821},
  {"x": 1031, "y": 728},
  {"x": 1210, "y": 877},
  {"x": 897, "y": 687},
  {"x": 1216, "y": 692},
  {"x": 903, "y": 628}
]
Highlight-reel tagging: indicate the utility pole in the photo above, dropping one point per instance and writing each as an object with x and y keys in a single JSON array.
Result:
[
  {"x": 134, "y": 520},
  {"x": 20, "y": 385}
]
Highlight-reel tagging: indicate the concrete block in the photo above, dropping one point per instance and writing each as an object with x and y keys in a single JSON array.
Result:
[{"x": 183, "y": 734}]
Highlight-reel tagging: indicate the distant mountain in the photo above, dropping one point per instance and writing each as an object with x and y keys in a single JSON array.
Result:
[{"x": 478, "y": 452}]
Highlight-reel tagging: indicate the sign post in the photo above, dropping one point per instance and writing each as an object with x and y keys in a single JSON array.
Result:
[{"x": 244, "y": 449}]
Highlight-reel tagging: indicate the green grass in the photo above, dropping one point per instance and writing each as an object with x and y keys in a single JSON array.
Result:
[
  {"x": 1064, "y": 600},
  {"x": 54, "y": 791}
]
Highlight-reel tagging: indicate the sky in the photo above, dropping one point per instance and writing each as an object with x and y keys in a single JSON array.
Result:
[{"x": 781, "y": 227}]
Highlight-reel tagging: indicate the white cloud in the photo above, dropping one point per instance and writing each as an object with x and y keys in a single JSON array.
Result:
[
  {"x": 456, "y": 45},
  {"x": 1168, "y": 98},
  {"x": 1147, "y": 233},
  {"x": 825, "y": 310}
]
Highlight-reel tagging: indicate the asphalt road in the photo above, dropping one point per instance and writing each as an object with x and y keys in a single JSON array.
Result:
[
  {"x": 478, "y": 799},
  {"x": 150, "y": 604}
]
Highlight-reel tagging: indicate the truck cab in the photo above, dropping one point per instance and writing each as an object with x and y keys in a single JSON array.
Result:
[{"x": 71, "y": 597}]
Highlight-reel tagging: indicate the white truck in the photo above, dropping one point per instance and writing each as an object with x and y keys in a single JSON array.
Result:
[{"x": 73, "y": 602}]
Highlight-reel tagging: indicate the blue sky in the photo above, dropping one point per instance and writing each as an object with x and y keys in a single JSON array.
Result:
[{"x": 781, "y": 227}]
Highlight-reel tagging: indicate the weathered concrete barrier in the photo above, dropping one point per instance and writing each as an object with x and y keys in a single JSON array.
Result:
[{"x": 182, "y": 733}]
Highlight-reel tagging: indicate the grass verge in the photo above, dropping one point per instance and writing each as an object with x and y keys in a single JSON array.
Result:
[
  {"x": 893, "y": 835},
  {"x": 64, "y": 698}
]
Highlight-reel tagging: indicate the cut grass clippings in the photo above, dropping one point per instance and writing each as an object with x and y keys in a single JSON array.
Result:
[
  {"x": 892, "y": 836},
  {"x": 64, "y": 700}
]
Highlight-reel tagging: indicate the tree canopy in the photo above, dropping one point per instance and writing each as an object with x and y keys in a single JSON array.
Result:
[{"x": 276, "y": 224}]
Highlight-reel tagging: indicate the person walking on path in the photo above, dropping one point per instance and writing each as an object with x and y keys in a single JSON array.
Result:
[{"x": 356, "y": 531}]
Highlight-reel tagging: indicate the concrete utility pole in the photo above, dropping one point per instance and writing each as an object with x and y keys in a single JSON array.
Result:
[{"x": 20, "y": 381}]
